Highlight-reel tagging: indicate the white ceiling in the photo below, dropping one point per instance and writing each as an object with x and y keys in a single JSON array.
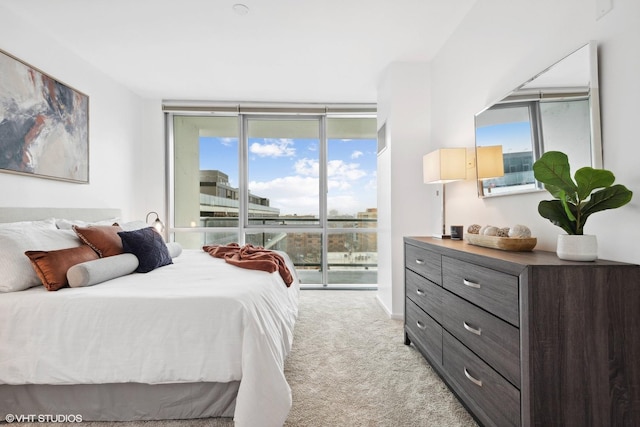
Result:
[{"x": 281, "y": 51}]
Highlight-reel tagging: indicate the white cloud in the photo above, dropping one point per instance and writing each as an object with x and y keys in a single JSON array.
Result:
[
  {"x": 338, "y": 169},
  {"x": 298, "y": 194},
  {"x": 307, "y": 167},
  {"x": 344, "y": 204},
  {"x": 372, "y": 185},
  {"x": 282, "y": 147},
  {"x": 356, "y": 154},
  {"x": 289, "y": 185},
  {"x": 227, "y": 142},
  {"x": 291, "y": 194},
  {"x": 338, "y": 185}
]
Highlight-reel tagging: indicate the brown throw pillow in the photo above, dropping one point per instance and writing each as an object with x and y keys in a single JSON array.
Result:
[
  {"x": 51, "y": 266},
  {"x": 103, "y": 239}
]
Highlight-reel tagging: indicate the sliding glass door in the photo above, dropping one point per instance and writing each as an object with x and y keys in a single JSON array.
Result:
[
  {"x": 283, "y": 157},
  {"x": 303, "y": 184}
]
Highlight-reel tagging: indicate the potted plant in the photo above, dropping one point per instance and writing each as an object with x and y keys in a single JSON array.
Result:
[{"x": 592, "y": 191}]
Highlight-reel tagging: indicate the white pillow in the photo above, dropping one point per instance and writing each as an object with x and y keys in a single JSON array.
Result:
[
  {"x": 67, "y": 224},
  {"x": 45, "y": 224},
  {"x": 133, "y": 225},
  {"x": 16, "y": 272},
  {"x": 91, "y": 273}
]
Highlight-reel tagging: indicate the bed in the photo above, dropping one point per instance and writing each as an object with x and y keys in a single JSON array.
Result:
[{"x": 193, "y": 339}]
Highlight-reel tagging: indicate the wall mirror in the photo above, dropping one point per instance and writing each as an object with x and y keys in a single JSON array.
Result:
[{"x": 556, "y": 110}]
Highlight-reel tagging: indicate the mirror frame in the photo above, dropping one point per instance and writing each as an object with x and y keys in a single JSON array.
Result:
[{"x": 594, "y": 117}]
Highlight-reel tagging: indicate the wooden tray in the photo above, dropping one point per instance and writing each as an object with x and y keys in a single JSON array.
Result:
[{"x": 502, "y": 243}]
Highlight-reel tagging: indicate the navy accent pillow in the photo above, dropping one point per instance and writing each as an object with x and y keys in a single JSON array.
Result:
[{"x": 148, "y": 246}]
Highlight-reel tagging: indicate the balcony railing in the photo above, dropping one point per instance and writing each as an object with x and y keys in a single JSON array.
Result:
[{"x": 352, "y": 244}]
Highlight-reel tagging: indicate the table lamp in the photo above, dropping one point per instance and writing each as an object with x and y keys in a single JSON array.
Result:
[{"x": 440, "y": 167}]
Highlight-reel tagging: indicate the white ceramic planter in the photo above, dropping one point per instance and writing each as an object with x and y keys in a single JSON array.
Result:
[{"x": 577, "y": 247}]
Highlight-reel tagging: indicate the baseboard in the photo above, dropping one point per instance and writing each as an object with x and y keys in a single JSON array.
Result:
[{"x": 386, "y": 310}]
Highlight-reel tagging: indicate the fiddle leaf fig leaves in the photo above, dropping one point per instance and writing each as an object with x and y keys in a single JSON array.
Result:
[
  {"x": 576, "y": 200},
  {"x": 608, "y": 198},
  {"x": 589, "y": 179},
  {"x": 552, "y": 169},
  {"x": 554, "y": 212}
]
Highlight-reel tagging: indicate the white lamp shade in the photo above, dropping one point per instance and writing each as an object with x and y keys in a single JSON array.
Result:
[
  {"x": 489, "y": 162},
  {"x": 445, "y": 165}
]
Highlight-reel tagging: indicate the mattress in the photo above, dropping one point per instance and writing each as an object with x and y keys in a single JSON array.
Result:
[{"x": 197, "y": 320}]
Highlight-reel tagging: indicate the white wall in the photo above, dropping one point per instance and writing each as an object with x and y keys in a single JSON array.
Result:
[
  {"x": 114, "y": 129},
  {"x": 502, "y": 43},
  {"x": 404, "y": 207},
  {"x": 150, "y": 171}
]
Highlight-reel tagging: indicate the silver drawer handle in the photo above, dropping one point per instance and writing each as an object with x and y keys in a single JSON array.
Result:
[
  {"x": 420, "y": 292},
  {"x": 471, "y": 284},
  {"x": 420, "y": 325},
  {"x": 470, "y": 378},
  {"x": 419, "y": 261},
  {"x": 472, "y": 330}
]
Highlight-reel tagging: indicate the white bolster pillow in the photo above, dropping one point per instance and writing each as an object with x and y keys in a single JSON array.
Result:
[
  {"x": 96, "y": 271},
  {"x": 174, "y": 248}
]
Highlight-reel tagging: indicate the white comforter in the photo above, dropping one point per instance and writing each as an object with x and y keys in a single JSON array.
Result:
[{"x": 199, "y": 319}]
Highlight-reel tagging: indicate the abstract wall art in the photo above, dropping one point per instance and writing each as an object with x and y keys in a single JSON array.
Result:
[{"x": 44, "y": 124}]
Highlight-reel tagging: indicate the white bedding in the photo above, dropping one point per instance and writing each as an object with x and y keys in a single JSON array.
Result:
[{"x": 198, "y": 320}]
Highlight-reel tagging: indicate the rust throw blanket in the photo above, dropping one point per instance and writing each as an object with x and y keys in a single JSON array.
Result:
[{"x": 251, "y": 257}]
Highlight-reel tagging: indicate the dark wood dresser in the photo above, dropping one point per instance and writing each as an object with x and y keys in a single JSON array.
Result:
[{"x": 524, "y": 338}]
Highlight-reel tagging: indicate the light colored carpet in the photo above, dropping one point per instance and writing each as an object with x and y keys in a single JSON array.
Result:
[{"x": 349, "y": 367}]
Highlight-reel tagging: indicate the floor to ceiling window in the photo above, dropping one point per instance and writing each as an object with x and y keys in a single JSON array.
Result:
[{"x": 301, "y": 181}]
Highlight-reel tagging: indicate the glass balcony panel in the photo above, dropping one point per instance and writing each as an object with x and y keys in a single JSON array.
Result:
[
  {"x": 304, "y": 249},
  {"x": 352, "y": 258},
  {"x": 195, "y": 240}
]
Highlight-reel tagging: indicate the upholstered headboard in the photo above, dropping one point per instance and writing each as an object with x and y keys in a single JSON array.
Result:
[{"x": 13, "y": 214}]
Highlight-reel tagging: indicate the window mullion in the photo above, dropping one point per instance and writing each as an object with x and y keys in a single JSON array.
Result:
[
  {"x": 243, "y": 185},
  {"x": 323, "y": 190}
]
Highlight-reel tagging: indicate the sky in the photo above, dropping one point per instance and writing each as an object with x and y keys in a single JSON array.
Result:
[
  {"x": 514, "y": 137},
  {"x": 285, "y": 171}
]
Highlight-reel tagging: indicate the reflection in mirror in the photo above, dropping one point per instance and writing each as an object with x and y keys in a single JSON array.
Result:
[
  {"x": 490, "y": 161},
  {"x": 556, "y": 110}
]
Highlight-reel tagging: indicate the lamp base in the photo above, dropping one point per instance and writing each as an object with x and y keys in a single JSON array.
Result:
[{"x": 441, "y": 236}]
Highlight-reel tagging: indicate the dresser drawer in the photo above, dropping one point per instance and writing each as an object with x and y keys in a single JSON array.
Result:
[
  {"x": 424, "y": 262},
  {"x": 492, "y": 290},
  {"x": 494, "y": 340},
  {"x": 423, "y": 331},
  {"x": 493, "y": 399},
  {"x": 427, "y": 295}
]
